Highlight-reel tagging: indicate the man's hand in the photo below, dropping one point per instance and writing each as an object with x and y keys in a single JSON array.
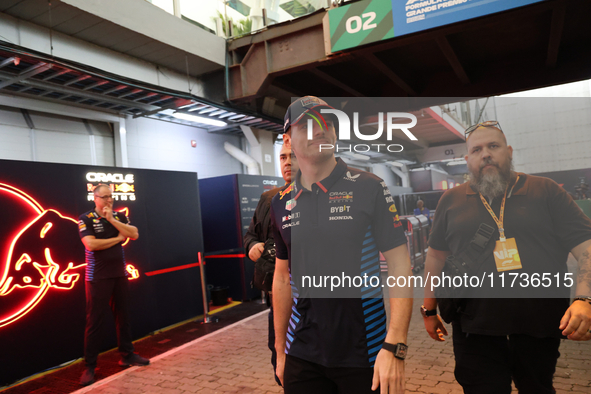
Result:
[
  {"x": 280, "y": 366},
  {"x": 388, "y": 373},
  {"x": 256, "y": 251},
  {"x": 435, "y": 327},
  {"x": 121, "y": 237},
  {"x": 576, "y": 322},
  {"x": 108, "y": 213}
]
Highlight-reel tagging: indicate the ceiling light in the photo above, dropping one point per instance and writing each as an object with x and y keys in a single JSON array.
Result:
[
  {"x": 395, "y": 164},
  {"x": 199, "y": 119}
]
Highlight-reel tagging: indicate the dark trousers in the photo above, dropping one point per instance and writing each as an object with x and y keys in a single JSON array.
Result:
[
  {"x": 303, "y": 376},
  {"x": 101, "y": 294},
  {"x": 486, "y": 364},
  {"x": 271, "y": 342}
]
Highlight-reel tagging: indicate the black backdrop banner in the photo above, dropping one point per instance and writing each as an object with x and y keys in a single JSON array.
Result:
[{"x": 42, "y": 302}]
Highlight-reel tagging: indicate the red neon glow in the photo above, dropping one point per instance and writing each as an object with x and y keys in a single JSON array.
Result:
[
  {"x": 22, "y": 195},
  {"x": 171, "y": 269},
  {"x": 45, "y": 229},
  {"x": 225, "y": 256},
  {"x": 133, "y": 273},
  {"x": 39, "y": 276}
]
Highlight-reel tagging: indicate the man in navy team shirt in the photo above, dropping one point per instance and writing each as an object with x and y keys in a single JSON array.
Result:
[
  {"x": 102, "y": 231},
  {"x": 335, "y": 220}
]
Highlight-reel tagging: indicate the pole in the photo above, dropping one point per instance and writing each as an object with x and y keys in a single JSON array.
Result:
[{"x": 206, "y": 318}]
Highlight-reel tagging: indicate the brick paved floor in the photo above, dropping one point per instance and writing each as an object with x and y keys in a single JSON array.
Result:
[{"x": 236, "y": 360}]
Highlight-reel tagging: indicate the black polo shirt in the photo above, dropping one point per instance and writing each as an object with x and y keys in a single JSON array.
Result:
[
  {"x": 336, "y": 229},
  {"x": 106, "y": 263},
  {"x": 546, "y": 224}
]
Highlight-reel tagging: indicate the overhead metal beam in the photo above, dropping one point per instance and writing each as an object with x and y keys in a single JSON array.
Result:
[
  {"x": 134, "y": 91},
  {"x": 387, "y": 71},
  {"x": 56, "y": 74},
  {"x": 176, "y": 104},
  {"x": 27, "y": 73},
  {"x": 114, "y": 89},
  {"x": 145, "y": 96},
  {"x": 76, "y": 80},
  {"x": 159, "y": 99},
  {"x": 453, "y": 60},
  {"x": 556, "y": 30},
  {"x": 79, "y": 92},
  {"x": 282, "y": 53},
  {"x": 6, "y": 62},
  {"x": 24, "y": 89},
  {"x": 95, "y": 85},
  {"x": 336, "y": 82}
]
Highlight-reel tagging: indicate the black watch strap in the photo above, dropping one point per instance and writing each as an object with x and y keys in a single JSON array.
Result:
[
  {"x": 583, "y": 298},
  {"x": 428, "y": 313},
  {"x": 399, "y": 350}
]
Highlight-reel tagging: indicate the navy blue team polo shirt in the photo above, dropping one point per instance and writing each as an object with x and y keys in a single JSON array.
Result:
[
  {"x": 105, "y": 263},
  {"x": 337, "y": 228}
]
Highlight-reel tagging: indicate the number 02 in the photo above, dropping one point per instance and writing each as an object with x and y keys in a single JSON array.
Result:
[{"x": 367, "y": 25}]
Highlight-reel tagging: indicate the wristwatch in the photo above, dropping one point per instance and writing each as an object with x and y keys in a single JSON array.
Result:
[
  {"x": 399, "y": 349},
  {"x": 583, "y": 298},
  {"x": 426, "y": 313}
]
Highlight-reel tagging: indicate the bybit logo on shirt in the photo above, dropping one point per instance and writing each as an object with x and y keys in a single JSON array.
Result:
[{"x": 340, "y": 209}]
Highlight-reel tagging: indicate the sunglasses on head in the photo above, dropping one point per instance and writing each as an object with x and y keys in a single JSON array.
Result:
[{"x": 488, "y": 123}]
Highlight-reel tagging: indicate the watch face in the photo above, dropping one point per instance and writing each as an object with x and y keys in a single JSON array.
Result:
[{"x": 401, "y": 351}]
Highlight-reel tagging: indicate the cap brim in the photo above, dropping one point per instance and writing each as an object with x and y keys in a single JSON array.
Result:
[{"x": 296, "y": 121}]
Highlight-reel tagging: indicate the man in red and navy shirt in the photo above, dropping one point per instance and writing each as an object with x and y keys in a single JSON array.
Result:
[{"x": 333, "y": 221}]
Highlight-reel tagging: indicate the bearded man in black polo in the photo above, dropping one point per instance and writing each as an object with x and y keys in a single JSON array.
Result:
[{"x": 512, "y": 332}]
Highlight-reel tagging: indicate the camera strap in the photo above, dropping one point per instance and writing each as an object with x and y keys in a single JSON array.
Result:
[{"x": 478, "y": 245}]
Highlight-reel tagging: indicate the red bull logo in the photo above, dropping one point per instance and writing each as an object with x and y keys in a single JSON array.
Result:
[
  {"x": 33, "y": 263},
  {"x": 288, "y": 190}
]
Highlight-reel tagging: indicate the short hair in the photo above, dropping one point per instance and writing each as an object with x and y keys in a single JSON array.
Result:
[
  {"x": 99, "y": 186},
  {"x": 484, "y": 127}
]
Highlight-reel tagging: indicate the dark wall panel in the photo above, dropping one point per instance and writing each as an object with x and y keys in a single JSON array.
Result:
[{"x": 164, "y": 205}]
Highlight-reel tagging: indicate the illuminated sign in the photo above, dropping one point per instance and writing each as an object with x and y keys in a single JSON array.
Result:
[
  {"x": 106, "y": 178},
  {"x": 122, "y": 185},
  {"x": 33, "y": 264},
  {"x": 133, "y": 273}
]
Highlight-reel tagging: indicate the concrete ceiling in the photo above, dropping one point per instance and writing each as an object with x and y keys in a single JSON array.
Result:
[{"x": 76, "y": 22}]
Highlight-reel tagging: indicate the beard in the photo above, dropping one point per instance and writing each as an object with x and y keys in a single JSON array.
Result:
[{"x": 492, "y": 184}]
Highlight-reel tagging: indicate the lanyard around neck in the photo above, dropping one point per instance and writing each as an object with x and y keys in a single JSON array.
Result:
[{"x": 499, "y": 220}]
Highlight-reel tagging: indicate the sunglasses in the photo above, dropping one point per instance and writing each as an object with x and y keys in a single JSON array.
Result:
[{"x": 488, "y": 123}]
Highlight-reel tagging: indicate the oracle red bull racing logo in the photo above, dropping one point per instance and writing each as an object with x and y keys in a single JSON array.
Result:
[{"x": 31, "y": 264}]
